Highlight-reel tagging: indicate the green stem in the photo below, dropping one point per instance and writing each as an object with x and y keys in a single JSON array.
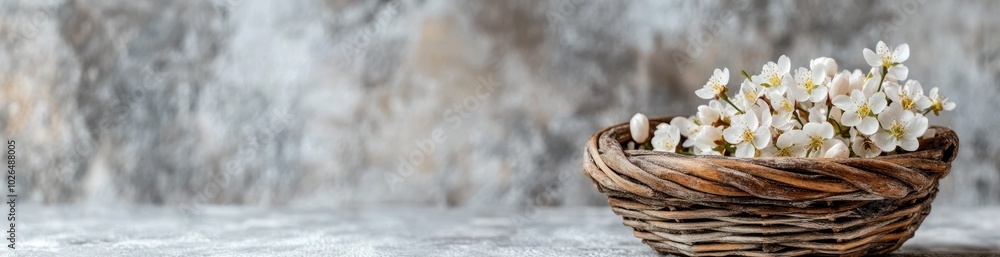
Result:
[
  {"x": 885, "y": 70},
  {"x": 796, "y": 115},
  {"x": 726, "y": 98},
  {"x": 829, "y": 109}
]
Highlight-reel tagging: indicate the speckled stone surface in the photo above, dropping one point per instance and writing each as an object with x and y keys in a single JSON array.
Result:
[
  {"x": 326, "y": 102},
  {"x": 246, "y": 231}
]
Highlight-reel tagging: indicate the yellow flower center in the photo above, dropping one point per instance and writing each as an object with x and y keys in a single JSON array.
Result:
[
  {"x": 784, "y": 152},
  {"x": 809, "y": 86},
  {"x": 815, "y": 143},
  {"x": 774, "y": 79},
  {"x": 887, "y": 59},
  {"x": 750, "y": 95},
  {"x": 719, "y": 87},
  {"x": 886, "y": 56},
  {"x": 937, "y": 103},
  {"x": 864, "y": 110},
  {"x": 897, "y": 130},
  {"x": 748, "y": 135},
  {"x": 787, "y": 105},
  {"x": 906, "y": 101}
]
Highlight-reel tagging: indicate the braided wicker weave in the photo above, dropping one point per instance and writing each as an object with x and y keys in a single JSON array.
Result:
[{"x": 715, "y": 206}]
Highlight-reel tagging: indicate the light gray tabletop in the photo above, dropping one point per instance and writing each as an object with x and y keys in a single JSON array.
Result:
[{"x": 397, "y": 231}]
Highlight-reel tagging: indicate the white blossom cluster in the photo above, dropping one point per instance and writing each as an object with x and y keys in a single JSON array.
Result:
[{"x": 807, "y": 112}]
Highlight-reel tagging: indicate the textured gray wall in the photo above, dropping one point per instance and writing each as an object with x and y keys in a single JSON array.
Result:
[{"x": 448, "y": 103}]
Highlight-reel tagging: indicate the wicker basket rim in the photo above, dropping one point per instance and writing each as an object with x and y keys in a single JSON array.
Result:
[{"x": 948, "y": 136}]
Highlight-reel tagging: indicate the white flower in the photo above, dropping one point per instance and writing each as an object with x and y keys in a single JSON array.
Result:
[
  {"x": 910, "y": 96},
  {"x": 940, "y": 103},
  {"x": 786, "y": 146},
  {"x": 815, "y": 135},
  {"x": 863, "y": 145},
  {"x": 746, "y": 133},
  {"x": 819, "y": 113},
  {"x": 749, "y": 93},
  {"x": 713, "y": 112},
  {"x": 775, "y": 77},
  {"x": 707, "y": 114},
  {"x": 837, "y": 150},
  {"x": 829, "y": 63},
  {"x": 784, "y": 108},
  {"x": 716, "y": 85},
  {"x": 705, "y": 139},
  {"x": 900, "y": 127},
  {"x": 685, "y": 125},
  {"x": 666, "y": 138},
  {"x": 871, "y": 85},
  {"x": 840, "y": 85},
  {"x": 857, "y": 81},
  {"x": 860, "y": 110},
  {"x": 639, "y": 127},
  {"x": 763, "y": 112},
  {"x": 885, "y": 57},
  {"x": 809, "y": 84}
]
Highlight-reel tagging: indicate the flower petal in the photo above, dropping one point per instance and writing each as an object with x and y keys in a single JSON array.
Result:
[
  {"x": 901, "y": 53},
  {"x": 922, "y": 103},
  {"x": 843, "y": 102},
  {"x": 707, "y": 115},
  {"x": 851, "y": 119},
  {"x": 732, "y": 135},
  {"x": 745, "y": 150},
  {"x": 872, "y": 58},
  {"x": 761, "y": 137},
  {"x": 818, "y": 73},
  {"x": 917, "y": 126},
  {"x": 882, "y": 48},
  {"x": 787, "y": 139},
  {"x": 892, "y": 93},
  {"x": 887, "y": 116},
  {"x": 784, "y": 65},
  {"x": 878, "y": 102},
  {"x": 838, "y": 150},
  {"x": 826, "y": 131},
  {"x": 797, "y": 93},
  {"x": 914, "y": 87},
  {"x": 884, "y": 141},
  {"x": 909, "y": 143},
  {"x": 751, "y": 120},
  {"x": 899, "y": 72},
  {"x": 948, "y": 106},
  {"x": 818, "y": 94},
  {"x": 868, "y": 126},
  {"x": 704, "y": 93}
]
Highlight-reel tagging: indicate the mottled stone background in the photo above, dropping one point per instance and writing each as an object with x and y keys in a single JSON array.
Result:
[{"x": 441, "y": 103}]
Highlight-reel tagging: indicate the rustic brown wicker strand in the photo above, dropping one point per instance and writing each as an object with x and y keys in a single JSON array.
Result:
[{"x": 718, "y": 206}]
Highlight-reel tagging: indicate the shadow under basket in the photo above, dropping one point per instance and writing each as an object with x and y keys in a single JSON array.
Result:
[{"x": 718, "y": 206}]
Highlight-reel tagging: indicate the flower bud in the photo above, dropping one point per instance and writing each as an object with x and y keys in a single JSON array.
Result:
[
  {"x": 829, "y": 63},
  {"x": 639, "y": 126},
  {"x": 838, "y": 150},
  {"x": 840, "y": 85}
]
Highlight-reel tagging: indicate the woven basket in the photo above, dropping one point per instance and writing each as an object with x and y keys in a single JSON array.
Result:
[{"x": 716, "y": 206}]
